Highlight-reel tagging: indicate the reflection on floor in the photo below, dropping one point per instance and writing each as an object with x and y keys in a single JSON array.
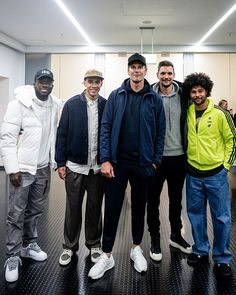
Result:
[{"x": 171, "y": 276}]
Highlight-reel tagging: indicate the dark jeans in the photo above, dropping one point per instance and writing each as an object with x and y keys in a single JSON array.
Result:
[
  {"x": 172, "y": 169},
  {"x": 76, "y": 185},
  {"x": 140, "y": 179}
]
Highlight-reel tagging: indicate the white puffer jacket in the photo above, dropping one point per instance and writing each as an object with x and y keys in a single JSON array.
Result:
[{"x": 21, "y": 132}]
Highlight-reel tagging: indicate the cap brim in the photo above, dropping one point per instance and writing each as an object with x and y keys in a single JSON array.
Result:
[
  {"x": 44, "y": 76},
  {"x": 136, "y": 61},
  {"x": 97, "y": 77}
]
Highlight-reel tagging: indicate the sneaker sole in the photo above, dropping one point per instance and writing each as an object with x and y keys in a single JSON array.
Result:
[
  {"x": 202, "y": 260},
  {"x": 101, "y": 274},
  {"x": 222, "y": 274},
  {"x": 218, "y": 274},
  {"x": 184, "y": 250},
  {"x": 155, "y": 257},
  {"x": 12, "y": 280},
  {"x": 63, "y": 263},
  {"x": 137, "y": 269},
  {"x": 34, "y": 258}
]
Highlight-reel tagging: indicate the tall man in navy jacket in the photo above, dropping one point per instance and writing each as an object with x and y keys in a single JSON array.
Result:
[
  {"x": 132, "y": 140},
  {"x": 77, "y": 157}
]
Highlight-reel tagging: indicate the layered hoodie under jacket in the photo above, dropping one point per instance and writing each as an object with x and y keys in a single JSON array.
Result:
[
  {"x": 151, "y": 126},
  {"x": 213, "y": 143},
  {"x": 184, "y": 104},
  {"x": 21, "y": 132}
]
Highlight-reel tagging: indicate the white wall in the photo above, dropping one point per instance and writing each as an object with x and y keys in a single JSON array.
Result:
[
  {"x": 12, "y": 67},
  {"x": 4, "y": 95},
  {"x": 221, "y": 68},
  {"x": 12, "y": 74},
  {"x": 70, "y": 68},
  {"x": 69, "y": 71}
]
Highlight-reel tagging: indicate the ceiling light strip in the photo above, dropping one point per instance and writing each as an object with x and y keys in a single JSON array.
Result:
[
  {"x": 74, "y": 21},
  {"x": 216, "y": 25}
]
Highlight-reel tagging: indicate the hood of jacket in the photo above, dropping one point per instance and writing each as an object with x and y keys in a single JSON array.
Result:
[
  {"x": 156, "y": 87},
  {"x": 26, "y": 93}
]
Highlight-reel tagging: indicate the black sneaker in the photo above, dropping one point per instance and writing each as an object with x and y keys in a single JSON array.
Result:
[
  {"x": 177, "y": 241},
  {"x": 222, "y": 269},
  {"x": 195, "y": 259},
  {"x": 155, "y": 251}
]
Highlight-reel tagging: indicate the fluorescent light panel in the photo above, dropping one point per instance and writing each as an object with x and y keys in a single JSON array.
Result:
[
  {"x": 216, "y": 25},
  {"x": 74, "y": 21}
]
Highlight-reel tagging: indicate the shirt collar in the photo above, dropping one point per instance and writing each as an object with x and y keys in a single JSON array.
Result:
[{"x": 91, "y": 102}]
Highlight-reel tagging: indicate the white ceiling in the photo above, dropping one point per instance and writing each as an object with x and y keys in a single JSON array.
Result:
[{"x": 42, "y": 25}]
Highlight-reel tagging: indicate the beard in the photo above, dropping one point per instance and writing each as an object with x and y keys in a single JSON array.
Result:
[
  {"x": 203, "y": 100},
  {"x": 136, "y": 81},
  {"x": 166, "y": 83},
  {"x": 41, "y": 96}
]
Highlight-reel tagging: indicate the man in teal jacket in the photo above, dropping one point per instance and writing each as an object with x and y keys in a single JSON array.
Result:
[{"x": 211, "y": 152}]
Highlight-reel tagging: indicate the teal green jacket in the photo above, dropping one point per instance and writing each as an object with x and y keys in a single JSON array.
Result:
[{"x": 213, "y": 143}]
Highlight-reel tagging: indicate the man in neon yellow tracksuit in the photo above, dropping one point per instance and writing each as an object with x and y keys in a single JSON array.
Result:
[{"x": 211, "y": 152}]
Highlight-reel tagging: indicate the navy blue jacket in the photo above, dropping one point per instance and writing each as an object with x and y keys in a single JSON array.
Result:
[
  {"x": 152, "y": 126},
  {"x": 72, "y": 132}
]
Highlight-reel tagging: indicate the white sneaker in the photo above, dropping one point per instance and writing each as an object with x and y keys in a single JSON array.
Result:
[
  {"x": 65, "y": 257},
  {"x": 12, "y": 268},
  {"x": 95, "y": 254},
  {"x": 34, "y": 252},
  {"x": 140, "y": 263},
  {"x": 104, "y": 263}
]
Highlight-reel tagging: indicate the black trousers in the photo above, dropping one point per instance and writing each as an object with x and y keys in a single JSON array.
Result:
[
  {"x": 172, "y": 169},
  {"x": 140, "y": 179},
  {"x": 76, "y": 185}
]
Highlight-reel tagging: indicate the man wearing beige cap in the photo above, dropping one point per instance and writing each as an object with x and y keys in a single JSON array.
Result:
[{"x": 77, "y": 157}]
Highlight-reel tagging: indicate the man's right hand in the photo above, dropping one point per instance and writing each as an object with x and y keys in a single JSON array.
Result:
[
  {"x": 15, "y": 179},
  {"x": 107, "y": 170},
  {"x": 62, "y": 172}
]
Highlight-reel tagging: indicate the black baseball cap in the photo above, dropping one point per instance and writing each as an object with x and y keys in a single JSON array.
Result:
[
  {"x": 136, "y": 57},
  {"x": 44, "y": 73}
]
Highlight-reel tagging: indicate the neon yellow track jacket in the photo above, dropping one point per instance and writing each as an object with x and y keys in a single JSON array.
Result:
[{"x": 213, "y": 143}]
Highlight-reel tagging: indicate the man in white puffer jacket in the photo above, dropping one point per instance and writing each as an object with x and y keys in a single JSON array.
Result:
[{"x": 27, "y": 148}]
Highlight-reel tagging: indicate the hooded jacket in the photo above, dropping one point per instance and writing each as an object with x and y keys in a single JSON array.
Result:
[
  {"x": 184, "y": 104},
  {"x": 151, "y": 129},
  {"x": 213, "y": 143},
  {"x": 21, "y": 132}
]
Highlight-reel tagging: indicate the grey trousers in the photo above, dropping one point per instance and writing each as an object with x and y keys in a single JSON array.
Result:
[
  {"x": 76, "y": 185},
  {"x": 25, "y": 206}
]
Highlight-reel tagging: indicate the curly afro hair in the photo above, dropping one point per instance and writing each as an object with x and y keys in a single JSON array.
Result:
[{"x": 197, "y": 79}]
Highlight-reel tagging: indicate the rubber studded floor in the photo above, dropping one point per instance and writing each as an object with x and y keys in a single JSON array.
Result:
[{"x": 171, "y": 276}]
